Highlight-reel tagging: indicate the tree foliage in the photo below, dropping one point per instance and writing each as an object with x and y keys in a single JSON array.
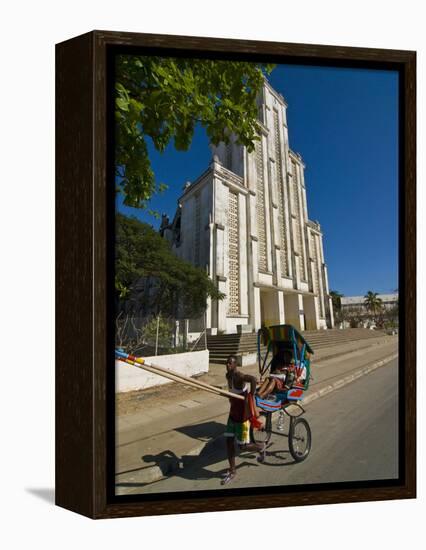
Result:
[
  {"x": 141, "y": 253},
  {"x": 164, "y": 98},
  {"x": 372, "y": 302},
  {"x": 391, "y": 315},
  {"x": 374, "y": 306}
]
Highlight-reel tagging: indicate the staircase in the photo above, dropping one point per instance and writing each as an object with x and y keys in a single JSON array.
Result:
[
  {"x": 319, "y": 339},
  {"x": 223, "y": 345}
]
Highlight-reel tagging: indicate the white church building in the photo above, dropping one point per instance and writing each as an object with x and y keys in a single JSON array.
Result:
[{"x": 245, "y": 221}]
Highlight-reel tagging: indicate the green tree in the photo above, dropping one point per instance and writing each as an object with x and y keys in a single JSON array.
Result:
[
  {"x": 164, "y": 98},
  {"x": 141, "y": 253},
  {"x": 165, "y": 332},
  {"x": 373, "y": 304},
  {"x": 391, "y": 315}
]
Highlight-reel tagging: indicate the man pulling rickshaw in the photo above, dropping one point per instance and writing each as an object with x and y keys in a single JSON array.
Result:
[{"x": 285, "y": 378}]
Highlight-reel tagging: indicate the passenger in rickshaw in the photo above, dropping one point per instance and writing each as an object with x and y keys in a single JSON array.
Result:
[{"x": 283, "y": 374}]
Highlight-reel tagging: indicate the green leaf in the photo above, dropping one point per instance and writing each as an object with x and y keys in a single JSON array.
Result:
[{"x": 122, "y": 104}]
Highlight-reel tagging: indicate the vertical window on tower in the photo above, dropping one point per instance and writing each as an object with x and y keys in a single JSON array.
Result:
[
  {"x": 260, "y": 209},
  {"x": 316, "y": 273},
  {"x": 298, "y": 224},
  {"x": 294, "y": 171},
  {"x": 279, "y": 182},
  {"x": 233, "y": 255},
  {"x": 197, "y": 233},
  {"x": 314, "y": 265}
]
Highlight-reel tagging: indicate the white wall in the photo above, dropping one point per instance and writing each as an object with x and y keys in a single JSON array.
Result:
[
  {"x": 27, "y": 219},
  {"x": 128, "y": 377}
]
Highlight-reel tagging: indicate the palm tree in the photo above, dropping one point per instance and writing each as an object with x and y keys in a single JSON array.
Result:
[{"x": 373, "y": 303}]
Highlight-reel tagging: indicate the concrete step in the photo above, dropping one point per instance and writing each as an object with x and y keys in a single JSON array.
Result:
[{"x": 233, "y": 346}]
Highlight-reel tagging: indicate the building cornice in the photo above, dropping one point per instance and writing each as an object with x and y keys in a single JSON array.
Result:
[
  {"x": 284, "y": 289},
  {"x": 278, "y": 96},
  {"x": 297, "y": 157},
  {"x": 196, "y": 184},
  {"x": 230, "y": 179},
  {"x": 314, "y": 226},
  {"x": 264, "y": 129}
]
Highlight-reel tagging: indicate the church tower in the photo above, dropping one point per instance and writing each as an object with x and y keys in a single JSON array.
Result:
[{"x": 245, "y": 221}]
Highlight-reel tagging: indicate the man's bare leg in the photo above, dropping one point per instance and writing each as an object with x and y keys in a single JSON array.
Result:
[
  {"x": 230, "y": 449},
  {"x": 266, "y": 389}
]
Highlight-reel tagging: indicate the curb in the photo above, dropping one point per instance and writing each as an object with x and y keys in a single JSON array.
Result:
[
  {"x": 348, "y": 379},
  {"x": 169, "y": 466},
  {"x": 347, "y": 352}
]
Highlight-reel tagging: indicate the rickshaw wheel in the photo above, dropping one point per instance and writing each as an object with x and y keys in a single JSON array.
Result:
[
  {"x": 262, "y": 436},
  {"x": 299, "y": 439}
]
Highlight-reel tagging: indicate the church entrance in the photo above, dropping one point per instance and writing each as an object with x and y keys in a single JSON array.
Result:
[
  {"x": 311, "y": 314},
  {"x": 269, "y": 307},
  {"x": 294, "y": 314}
]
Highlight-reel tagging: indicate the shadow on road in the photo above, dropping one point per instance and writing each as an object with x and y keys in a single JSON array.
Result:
[
  {"x": 191, "y": 467},
  {"x": 277, "y": 452},
  {"x": 198, "y": 467},
  {"x": 204, "y": 431}
]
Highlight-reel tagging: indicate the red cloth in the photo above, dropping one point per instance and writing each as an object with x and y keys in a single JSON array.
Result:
[{"x": 254, "y": 421}]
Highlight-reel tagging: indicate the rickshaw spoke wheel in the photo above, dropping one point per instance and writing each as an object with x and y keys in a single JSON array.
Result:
[{"x": 299, "y": 439}]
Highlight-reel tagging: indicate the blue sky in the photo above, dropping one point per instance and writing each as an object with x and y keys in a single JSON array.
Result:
[{"x": 344, "y": 123}]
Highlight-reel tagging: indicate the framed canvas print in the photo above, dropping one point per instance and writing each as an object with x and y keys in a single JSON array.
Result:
[{"x": 235, "y": 274}]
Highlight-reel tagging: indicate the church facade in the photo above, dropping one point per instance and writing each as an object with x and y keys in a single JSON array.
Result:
[{"x": 245, "y": 221}]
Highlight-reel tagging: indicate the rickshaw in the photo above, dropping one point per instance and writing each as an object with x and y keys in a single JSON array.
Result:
[{"x": 279, "y": 339}]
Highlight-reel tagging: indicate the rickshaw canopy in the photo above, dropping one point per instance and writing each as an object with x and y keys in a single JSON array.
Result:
[{"x": 286, "y": 333}]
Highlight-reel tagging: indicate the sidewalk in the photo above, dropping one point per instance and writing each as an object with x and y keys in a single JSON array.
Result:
[{"x": 176, "y": 421}]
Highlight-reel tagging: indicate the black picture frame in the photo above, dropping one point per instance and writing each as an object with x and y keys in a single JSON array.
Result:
[{"x": 84, "y": 263}]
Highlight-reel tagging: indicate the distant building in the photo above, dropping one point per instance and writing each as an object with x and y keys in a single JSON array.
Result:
[
  {"x": 388, "y": 301},
  {"x": 354, "y": 306},
  {"x": 245, "y": 220}
]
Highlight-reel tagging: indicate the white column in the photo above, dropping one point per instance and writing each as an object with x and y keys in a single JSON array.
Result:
[
  {"x": 281, "y": 307},
  {"x": 257, "y": 313},
  {"x": 221, "y": 306}
]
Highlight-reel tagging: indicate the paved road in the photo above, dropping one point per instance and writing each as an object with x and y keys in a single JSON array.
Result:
[{"x": 354, "y": 438}]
